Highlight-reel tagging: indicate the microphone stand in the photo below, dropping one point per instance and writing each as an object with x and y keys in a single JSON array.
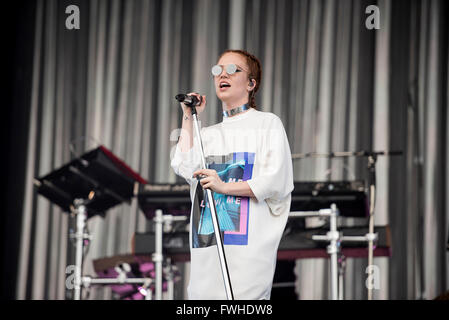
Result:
[{"x": 213, "y": 211}]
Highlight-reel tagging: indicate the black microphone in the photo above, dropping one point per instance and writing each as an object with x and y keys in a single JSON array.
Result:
[{"x": 190, "y": 101}]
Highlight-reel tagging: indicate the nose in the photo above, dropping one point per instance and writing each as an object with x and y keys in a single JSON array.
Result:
[{"x": 223, "y": 74}]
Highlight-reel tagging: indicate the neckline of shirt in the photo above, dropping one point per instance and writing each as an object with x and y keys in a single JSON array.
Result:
[{"x": 240, "y": 116}]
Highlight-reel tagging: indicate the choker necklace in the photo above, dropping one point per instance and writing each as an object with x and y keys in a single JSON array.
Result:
[{"x": 234, "y": 111}]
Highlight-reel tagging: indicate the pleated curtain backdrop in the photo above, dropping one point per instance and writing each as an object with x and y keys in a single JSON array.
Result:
[{"x": 336, "y": 85}]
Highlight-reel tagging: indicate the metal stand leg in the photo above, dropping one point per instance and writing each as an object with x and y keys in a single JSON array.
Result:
[
  {"x": 372, "y": 201},
  {"x": 81, "y": 217},
  {"x": 170, "y": 280},
  {"x": 333, "y": 250},
  {"x": 371, "y": 238},
  {"x": 149, "y": 295},
  {"x": 80, "y": 236},
  {"x": 341, "y": 277},
  {"x": 158, "y": 256},
  {"x": 160, "y": 221},
  {"x": 333, "y": 236}
]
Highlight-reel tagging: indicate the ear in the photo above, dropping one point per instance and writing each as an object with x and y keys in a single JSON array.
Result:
[{"x": 252, "y": 84}]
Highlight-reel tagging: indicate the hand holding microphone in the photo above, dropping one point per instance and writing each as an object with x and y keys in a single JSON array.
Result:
[{"x": 191, "y": 99}]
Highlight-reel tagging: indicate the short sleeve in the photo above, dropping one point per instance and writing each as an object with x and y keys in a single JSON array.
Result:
[
  {"x": 274, "y": 183},
  {"x": 185, "y": 163}
]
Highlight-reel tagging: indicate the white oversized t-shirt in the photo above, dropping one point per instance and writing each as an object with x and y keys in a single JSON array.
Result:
[{"x": 251, "y": 147}]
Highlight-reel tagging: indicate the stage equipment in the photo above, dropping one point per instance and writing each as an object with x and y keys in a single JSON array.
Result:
[
  {"x": 171, "y": 198},
  {"x": 85, "y": 187},
  {"x": 371, "y": 156},
  {"x": 349, "y": 197}
]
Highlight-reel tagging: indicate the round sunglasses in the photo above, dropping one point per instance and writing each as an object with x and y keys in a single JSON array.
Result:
[{"x": 230, "y": 69}]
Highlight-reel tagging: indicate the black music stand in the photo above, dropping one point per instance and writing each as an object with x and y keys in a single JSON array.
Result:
[{"x": 85, "y": 187}]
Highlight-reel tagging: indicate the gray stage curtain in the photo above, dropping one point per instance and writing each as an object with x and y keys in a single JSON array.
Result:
[{"x": 336, "y": 85}]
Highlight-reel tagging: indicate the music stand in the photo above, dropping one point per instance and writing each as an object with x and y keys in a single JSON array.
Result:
[{"x": 85, "y": 187}]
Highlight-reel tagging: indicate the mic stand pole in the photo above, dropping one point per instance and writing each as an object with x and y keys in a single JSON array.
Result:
[
  {"x": 213, "y": 211},
  {"x": 372, "y": 199}
]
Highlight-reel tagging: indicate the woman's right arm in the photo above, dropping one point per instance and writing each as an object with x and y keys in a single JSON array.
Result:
[
  {"x": 185, "y": 141},
  {"x": 184, "y": 160}
]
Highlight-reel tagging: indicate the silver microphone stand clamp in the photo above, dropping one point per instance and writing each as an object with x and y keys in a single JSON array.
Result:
[{"x": 218, "y": 236}]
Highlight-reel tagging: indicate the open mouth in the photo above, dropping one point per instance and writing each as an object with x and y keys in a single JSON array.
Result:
[{"x": 224, "y": 85}]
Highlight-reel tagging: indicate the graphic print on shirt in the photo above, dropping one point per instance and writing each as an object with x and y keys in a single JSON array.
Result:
[{"x": 232, "y": 211}]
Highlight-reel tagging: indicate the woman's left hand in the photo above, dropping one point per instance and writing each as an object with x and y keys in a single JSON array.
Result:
[{"x": 211, "y": 180}]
